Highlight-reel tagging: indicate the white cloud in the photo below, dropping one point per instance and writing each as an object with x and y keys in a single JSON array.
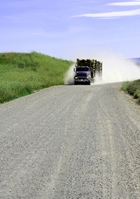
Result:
[
  {"x": 131, "y": 3},
  {"x": 111, "y": 14}
]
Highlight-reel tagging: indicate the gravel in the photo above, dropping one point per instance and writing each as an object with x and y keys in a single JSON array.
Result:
[{"x": 70, "y": 142}]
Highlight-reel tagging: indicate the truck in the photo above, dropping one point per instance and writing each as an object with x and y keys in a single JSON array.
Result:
[{"x": 86, "y": 69}]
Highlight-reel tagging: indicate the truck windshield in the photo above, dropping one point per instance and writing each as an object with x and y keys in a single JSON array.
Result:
[{"x": 82, "y": 69}]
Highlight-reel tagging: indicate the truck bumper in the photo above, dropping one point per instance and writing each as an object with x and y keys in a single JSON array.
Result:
[{"x": 78, "y": 81}]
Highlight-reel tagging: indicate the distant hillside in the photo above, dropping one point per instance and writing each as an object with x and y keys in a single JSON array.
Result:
[{"x": 136, "y": 60}]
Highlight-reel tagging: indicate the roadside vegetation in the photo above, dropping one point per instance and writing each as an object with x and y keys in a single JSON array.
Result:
[
  {"x": 23, "y": 73},
  {"x": 132, "y": 88}
]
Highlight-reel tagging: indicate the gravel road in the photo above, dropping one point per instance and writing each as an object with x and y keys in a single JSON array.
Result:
[{"x": 70, "y": 142}]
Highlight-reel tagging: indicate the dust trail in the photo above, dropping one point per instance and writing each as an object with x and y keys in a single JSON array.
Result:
[
  {"x": 69, "y": 75},
  {"x": 116, "y": 68}
]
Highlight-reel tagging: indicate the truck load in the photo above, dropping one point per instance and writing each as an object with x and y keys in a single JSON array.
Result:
[{"x": 86, "y": 70}]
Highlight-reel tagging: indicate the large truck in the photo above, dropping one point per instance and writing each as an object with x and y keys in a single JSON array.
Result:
[{"x": 86, "y": 69}]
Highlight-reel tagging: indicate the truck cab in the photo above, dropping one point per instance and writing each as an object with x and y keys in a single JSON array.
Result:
[{"x": 82, "y": 75}]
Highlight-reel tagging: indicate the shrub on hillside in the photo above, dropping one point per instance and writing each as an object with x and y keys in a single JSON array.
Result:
[
  {"x": 137, "y": 94},
  {"x": 132, "y": 88},
  {"x": 125, "y": 85}
]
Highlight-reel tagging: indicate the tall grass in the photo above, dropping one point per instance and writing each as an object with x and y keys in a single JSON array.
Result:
[
  {"x": 132, "y": 88},
  {"x": 22, "y": 73}
]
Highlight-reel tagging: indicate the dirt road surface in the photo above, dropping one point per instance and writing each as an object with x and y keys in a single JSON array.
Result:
[{"x": 70, "y": 142}]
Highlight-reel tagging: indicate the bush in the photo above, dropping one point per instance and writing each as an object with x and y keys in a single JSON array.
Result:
[
  {"x": 137, "y": 94},
  {"x": 133, "y": 87},
  {"x": 125, "y": 85}
]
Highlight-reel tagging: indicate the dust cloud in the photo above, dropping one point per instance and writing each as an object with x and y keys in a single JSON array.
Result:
[
  {"x": 116, "y": 68},
  {"x": 69, "y": 75}
]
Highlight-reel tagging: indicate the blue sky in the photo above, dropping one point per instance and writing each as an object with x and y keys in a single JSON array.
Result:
[{"x": 66, "y": 28}]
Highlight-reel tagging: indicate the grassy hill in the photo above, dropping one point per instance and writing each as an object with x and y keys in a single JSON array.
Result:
[{"x": 23, "y": 73}]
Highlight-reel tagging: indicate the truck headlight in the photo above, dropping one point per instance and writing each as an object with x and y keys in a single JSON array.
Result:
[{"x": 88, "y": 76}]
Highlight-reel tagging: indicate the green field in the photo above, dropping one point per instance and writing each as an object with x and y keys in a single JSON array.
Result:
[
  {"x": 23, "y": 73},
  {"x": 132, "y": 88}
]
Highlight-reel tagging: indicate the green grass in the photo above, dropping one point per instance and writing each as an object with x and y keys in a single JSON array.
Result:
[
  {"x": 23, "y": 73},
  {"x": 132, "y": 88}
]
